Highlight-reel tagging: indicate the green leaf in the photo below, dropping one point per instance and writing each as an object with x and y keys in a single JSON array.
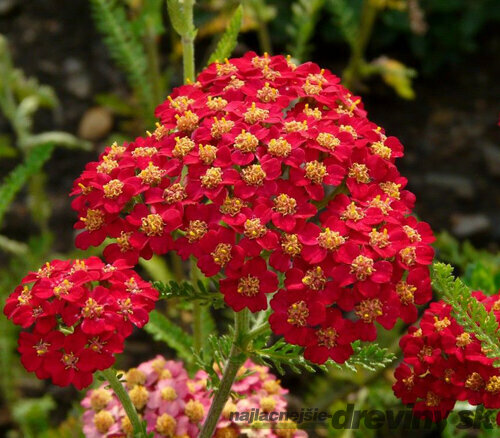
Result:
[
  {"x": 228, "y": 41},
  {"x": 369, "y": 356},
  {"x": 162, "y": 329},
  {"x": 177, "y": 17},
  {"x": 282, "y": 354},
  {"x": 20, "y": 175},
  {"x": 187, "y": 291},
  {"x": 125, "y": 48},
  {"x": 469, "y": 312}
]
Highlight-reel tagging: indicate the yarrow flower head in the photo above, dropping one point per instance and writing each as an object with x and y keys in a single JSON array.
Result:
[
  {"x": 173, "y": 405},
  {"x": 442, "y": 364},
  {"x": 78, "y": 314},
  {"x": 264, "y": 171}
]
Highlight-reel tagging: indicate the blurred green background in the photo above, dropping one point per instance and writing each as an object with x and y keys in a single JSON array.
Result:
[{"x": 77, "y": 75}]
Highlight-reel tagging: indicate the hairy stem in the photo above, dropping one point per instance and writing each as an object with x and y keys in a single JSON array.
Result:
[
  {"x": 197, "y": 334},
  {"x": 121, "y": 393},
  {"x": 196, "y": 276},
  {"x": 234, "y": 362}
]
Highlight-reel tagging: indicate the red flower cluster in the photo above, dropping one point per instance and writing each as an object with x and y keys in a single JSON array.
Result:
[
  {"x": 443, "y": 364},
  {"x": 263, "y": 170},
  {"x": 79, "y": 314}
]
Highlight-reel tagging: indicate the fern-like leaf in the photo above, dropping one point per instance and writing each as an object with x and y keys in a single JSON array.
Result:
[
  {"x": 304, "y": 18},
  {"x": 469, "y": 312},
  {"x": 187, "y": 291},
  {"x": 20, "y": 175},
  {"x": 282, "y": 354},
  {"x": 125, "y": 48},
  {"x": 228, "y": 41},
  {"x": 165, "y": 331},
  {"x": 368, "y": 356}
]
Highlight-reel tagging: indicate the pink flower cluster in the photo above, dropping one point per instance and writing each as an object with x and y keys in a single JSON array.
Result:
[
  {"x": 265, "y": 171},
  {"x": 78, "y": 314},
  {"x": 442, "y": 363},
  {"x": 172, "y": 404}
]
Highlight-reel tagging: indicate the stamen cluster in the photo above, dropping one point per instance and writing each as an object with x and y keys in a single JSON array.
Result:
[
  {"x": 443, "y": 363},
  {"x": 273, "y": 179},
  {"x": 173, "y": 405},
  {"x": 78, "y": 314}
]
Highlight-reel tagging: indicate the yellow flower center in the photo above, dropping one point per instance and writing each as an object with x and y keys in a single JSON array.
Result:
[
  {"x": 254, "y": 229},
  {"x": 246, "y": 142},
  {"x": 113, "y": 189},
  {"x": 298, "y": 313},
  {"x": 330, "y": 239},
  {"x": 152, "y": 225},
  {"x": 369, "y": 310},
  {"x": 94, "y": 219},
  {"x": 221, "y": 127},
  {"x": 314, "y": 279},
  {"x": 151, "y": 175},
  {"x": 222, "y": 254},
  {"x": 253, "y": 175},
  {"x": 406, "y": 292},
  {"x": 255, "y": 114},
  {"x": 362, "y": 267},
  {"x": 279, "y": 147},
  {"x": 248, "y": 286},
  {"x": 212, "y": 178},
  {"x": 183, "y": 145},
  {"x": 285, "y": 204},
  {"x": 327, "y": 337},
  {"x": 188, "y": 122},
  {"x": 196, "y": 230},
  {"x": 290, "y": 244}
]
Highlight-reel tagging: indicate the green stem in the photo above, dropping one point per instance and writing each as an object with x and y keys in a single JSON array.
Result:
[
  {"x": 196, "y": 275},
  {"x": 235, "y": 360},
  {"x": 122, "y": 394},
  {"x": 188, "y": 42},
  {"x": 256, "y": 331},
  {"x": 197, "y": 334},
  {"x": 353, "y": 71}
]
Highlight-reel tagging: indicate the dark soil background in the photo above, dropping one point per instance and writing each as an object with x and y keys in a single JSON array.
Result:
[{"x": 450, "y": 131}]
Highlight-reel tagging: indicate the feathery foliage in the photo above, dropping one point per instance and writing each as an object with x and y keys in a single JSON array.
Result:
[
  {"x": 216, "y": 351},
  {"x": 280, "y": 354},
  {"x": 228, "y": 41},
  {"x": 369, "y": 356},
  {"x": 166, "y": 331},
  {"x": 125, "y": 48},
  {"x": 187, "y": 291},
  {"x": 304, "y": 18},
  {"x": 469, "y": 312},
  {"x": 20, "y": 175}
]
